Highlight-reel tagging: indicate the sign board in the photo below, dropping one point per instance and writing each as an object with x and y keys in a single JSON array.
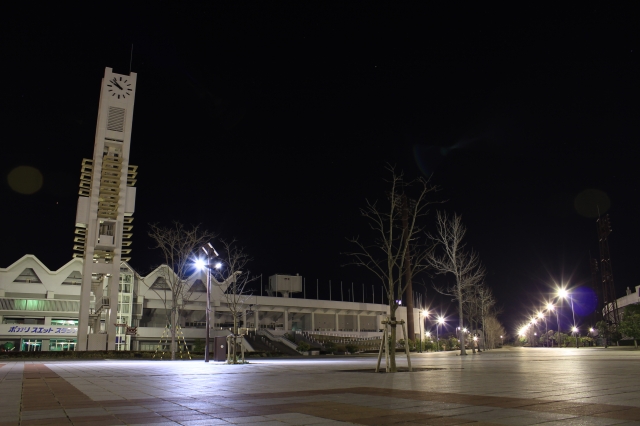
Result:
[{"x": 36, "y": 330}]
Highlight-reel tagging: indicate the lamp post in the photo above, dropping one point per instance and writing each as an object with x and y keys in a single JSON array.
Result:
[
  {"x": 575, "y": 333},
  {"x": 440, "y": 322},
  {"x": 541, "y": 315},
  {"x": 464, "y": 330},
  {"x": 563, "y": 294},
  {"x": 502, "y": 341},
  {"x": 210, "y": 254},
  {"x": 423, "y": 315},
  {"x": 550, "y": 307}
]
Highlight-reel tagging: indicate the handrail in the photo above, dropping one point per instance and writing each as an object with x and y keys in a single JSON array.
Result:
[{"x": 283, "y": 340}]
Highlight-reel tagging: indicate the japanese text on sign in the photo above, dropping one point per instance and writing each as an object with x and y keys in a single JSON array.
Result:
[{"x": 43, "y": 330}]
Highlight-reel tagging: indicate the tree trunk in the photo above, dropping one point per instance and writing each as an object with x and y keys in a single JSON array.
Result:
[
  {"x": 463, "y": 351},
  {"x": 407, "y": 270},
  {"x": 235, "y": 333},
  {"x": 392, "y": 346},
  {"x": 173, "y": 334}
]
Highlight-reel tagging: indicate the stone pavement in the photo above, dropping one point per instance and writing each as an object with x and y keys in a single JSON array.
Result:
[{"x": 519, "y": 386}]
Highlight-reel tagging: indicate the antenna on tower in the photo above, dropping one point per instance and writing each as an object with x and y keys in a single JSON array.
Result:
[
  {"x": 597, "y": 289},
  {"x": 610, "y": 312},
  {"x": 131, "y": 59}
]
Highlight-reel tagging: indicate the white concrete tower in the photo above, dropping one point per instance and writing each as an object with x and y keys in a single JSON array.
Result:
[{"x": 104, "y": 216}]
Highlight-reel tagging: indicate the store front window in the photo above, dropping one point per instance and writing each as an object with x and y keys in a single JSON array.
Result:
[
  {"x": 62, "y": 344},
  {"x": 31, "y": 345},
  {"x": 65, "y": 322}
]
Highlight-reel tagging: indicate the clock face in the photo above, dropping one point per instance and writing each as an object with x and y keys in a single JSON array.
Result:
[{"x": 120, "y": 87}]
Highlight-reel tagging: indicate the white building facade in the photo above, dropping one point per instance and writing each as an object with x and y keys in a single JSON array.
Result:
[{"x": 40, "y": 308}]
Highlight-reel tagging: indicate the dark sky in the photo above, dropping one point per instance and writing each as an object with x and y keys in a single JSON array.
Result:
[{"x": 272, "y": 122}]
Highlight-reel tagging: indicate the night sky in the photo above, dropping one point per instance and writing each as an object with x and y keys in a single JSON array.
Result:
[{"x": 272, "y": 122}]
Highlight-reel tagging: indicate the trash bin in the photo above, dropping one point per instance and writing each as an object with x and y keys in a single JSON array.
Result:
[{"x": 220, "y": 348}]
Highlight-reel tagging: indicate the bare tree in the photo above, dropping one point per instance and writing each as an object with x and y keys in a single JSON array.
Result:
[
  {"x": 486, "y": 303},
  {"x": 393, "y": 244},
  {"x": 494, "y": 331},
  {"x": 450, "y": 257},
  {"x": 178, "y": 246},
  {"x": 235, "y": 277},
  {"x": 471, "y": 309}
]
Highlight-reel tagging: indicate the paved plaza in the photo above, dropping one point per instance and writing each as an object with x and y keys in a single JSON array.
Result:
[{"x": 518, "y": 386}]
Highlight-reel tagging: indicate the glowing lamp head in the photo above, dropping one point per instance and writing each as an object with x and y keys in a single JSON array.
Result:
[
  {"x": 218, "y": 265},
  {"x": 563, "y": 293},
  {"x": 550, "y": 306},
  {"x": 440, "y": 320},
  {"x": 199, "y": 264},
  {"x": 540, "y": 315},
  {"x": 425, "y": 313},
  {"x": 428, "y": 334},
  {"x": 575, "y": 329},
  {"x": 464, "y": 329},
  {"x": 591, "y": 330},
  {"x": 475, "y": 338}
]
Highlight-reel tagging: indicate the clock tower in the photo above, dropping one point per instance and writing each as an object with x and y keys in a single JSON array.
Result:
[{"x": 104, "y": 218}]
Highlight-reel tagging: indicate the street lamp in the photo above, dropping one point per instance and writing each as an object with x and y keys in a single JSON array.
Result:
[
  {"x": 541, "y": 315},
  {"x": 575, "y": 332},
  {"x": 550, "y": 307},
  {"x": 563, "y": 294},
  {"x": 424, "y": 313},
  {"x": 440, "y": 322},
  {"x": 501, "y": 341},
  {"x": 210, "y": 254}
]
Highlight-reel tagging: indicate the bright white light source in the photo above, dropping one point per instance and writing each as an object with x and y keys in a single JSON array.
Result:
[
  {"x": 218, "y": 265},
  {"x": 199, "y": 264}
]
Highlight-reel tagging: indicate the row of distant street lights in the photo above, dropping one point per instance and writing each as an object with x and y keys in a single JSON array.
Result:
[
  {"x": 439, "y": 321},
  {"x": 561, "y": 294}
]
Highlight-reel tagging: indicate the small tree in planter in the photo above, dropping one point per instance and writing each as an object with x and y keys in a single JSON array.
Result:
[
  {"x": 352, "y": 349},
  {"x": 330, "y": 346},
  {"x": 303, "y": 347}
]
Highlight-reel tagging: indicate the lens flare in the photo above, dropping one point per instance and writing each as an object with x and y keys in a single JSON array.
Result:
[{"x": 25, "y": 180}]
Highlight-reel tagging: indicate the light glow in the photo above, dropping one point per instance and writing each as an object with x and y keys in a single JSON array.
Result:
[
  {"x": 563, "y": 293},
  {"x": 199, "y": 264}
]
